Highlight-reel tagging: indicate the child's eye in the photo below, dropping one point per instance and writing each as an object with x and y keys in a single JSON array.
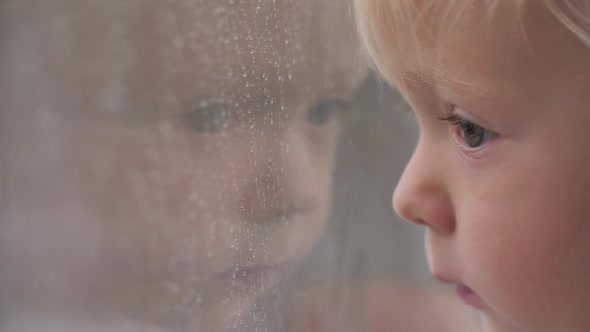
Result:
[
  {"x": 207, "y": 118},
  {"x": 323, "y": 111},
  {"x": 471, "y": 134}
]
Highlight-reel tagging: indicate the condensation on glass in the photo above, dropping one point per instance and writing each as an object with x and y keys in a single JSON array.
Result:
[{"x": 170, "y": 165}]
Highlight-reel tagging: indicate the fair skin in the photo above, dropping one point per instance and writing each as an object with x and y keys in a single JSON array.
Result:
[
  {"x": 128, "y": 199},
  {"x": 504, "y": 198},
  {"x": 379, "y": 305}
]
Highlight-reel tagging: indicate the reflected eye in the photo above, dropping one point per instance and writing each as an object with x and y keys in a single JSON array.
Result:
[
  {"x": 471, "y": 134},
  {"x": 207, "y": 118},
  {"x": 323, "y": 111}
]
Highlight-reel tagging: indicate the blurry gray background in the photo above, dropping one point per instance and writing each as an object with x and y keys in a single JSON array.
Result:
[{"x": 365, "y": 238}]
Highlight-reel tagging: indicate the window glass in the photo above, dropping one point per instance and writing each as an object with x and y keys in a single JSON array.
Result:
[{"x": 194, "y": 165}]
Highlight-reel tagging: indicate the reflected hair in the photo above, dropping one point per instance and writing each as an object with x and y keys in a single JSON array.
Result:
[{"x": 379, "y": 23}]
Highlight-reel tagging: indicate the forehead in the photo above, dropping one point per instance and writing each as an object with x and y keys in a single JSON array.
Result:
[
  {"x": 193, "y": 47},
  {"x": 480, "y": 48}
]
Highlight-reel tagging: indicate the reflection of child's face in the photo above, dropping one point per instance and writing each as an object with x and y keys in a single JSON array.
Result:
[
  {"x": 168, "y": 160},
  {"x": 504, "y": 188}
]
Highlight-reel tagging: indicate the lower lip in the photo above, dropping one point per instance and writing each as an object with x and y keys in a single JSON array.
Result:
[
  {"x": 256, "y": 277},
  {"x": 469, "y": 297}
]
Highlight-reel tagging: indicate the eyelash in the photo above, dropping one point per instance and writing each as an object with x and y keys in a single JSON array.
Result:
[
  {"x": 457, "y": 120},
  {"x": 213, "y": 118},
  {"x": 465, "y": 131},
  {"x": 325, "y": 109},
  {"x": 210, "y": 119}
]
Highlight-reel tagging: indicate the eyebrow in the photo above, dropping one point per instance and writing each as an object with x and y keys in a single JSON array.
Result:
[
  {"x": 467, "y": 89},
  {"x": 446, "y": 87},
  {"x": 454, "y": 83}
]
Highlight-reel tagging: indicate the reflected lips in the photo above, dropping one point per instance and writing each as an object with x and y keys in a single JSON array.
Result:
[{"x": 252, "y": 276}]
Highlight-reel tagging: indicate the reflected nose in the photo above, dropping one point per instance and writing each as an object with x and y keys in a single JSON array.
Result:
[
  {"x": 421, "y": 196},
  {"x": 283, "y": 181}
]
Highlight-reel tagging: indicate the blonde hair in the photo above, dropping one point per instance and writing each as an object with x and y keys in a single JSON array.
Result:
[
  {"x": 379, "y": 20},
  {"x": 575, "y": 15}
]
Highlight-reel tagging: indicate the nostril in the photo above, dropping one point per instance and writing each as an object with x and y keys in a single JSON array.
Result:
[
  {"x": 419, "y": 222},
  {"x": 277, "y": 215},
  {"x": 424, "y": 203},
  {"x": 437, "y": 217},
  {"x": 404, "y": 208}
]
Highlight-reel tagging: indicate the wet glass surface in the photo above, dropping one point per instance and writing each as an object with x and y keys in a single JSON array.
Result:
[{"x": 194, "y": 165}]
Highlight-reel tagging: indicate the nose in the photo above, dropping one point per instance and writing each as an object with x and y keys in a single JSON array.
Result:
[
  {"x": 284, "y": 180},
  {"x": 421, "y": 196}
]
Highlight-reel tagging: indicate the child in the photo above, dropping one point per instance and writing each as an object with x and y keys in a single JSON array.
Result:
[
  {"x": 165, "y": 164},
  {"x": 499, "y": 178}
]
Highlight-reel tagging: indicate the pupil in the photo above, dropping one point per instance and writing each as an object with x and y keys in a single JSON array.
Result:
[
  {"x": 210, "y": 119},
  {"x": 473, "y": 135},
  {"x": 322, "y": 112}
]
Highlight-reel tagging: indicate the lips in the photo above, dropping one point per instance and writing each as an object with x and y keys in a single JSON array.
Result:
[
  {"x": 469, "y": 297},
  {"x": 466, "y": 294},
  {"x": 252, "y": 277}
]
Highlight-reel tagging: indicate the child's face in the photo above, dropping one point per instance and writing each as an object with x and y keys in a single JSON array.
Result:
[
  {"x": 507, "y": 206},
  {"x": 154, "y": 148}
]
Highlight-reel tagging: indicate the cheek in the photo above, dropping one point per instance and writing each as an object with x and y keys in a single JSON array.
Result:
[
  {"x": 180, "y": 194},
  {"x": 306, "y": 179},
  {"x": 526, "y": 241},
  {"x": 158, "y": 195}
]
